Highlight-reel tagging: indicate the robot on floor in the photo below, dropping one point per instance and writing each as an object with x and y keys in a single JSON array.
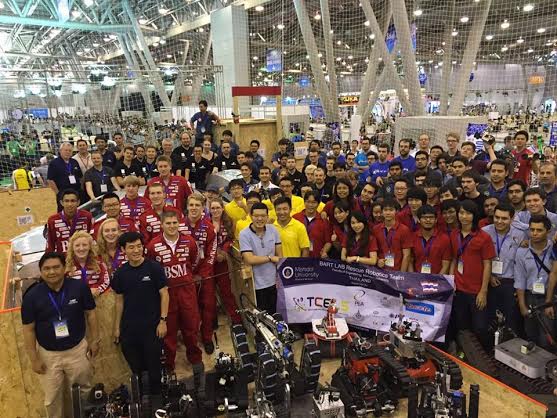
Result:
[{"x": 331, "y": 334}]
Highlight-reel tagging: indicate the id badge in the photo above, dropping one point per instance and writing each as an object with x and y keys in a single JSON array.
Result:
[
  {"x": 539, "y": 286},
  {"x": 192, "y": 185},
  {"x": 61, "y": 329},
  {"x": 104, "y": 188},
  {"x": 390, "y": 260},
  {"x": 311, "y": 246},
  {"x": 497, "y": 267},
  {"x": 200, "y": 251},
  {"x": 426, "y": 268},
  {"x": 460, "y": 267},
  {"x": 71, "y": 177}
]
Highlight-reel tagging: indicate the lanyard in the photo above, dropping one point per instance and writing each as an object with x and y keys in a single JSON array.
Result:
[
  {"x": 499, "y": 246},
  {"x": 57, "y": 306},
  {"x": 462, "y": 246},
  {"x": 115, "y": 261},
  {"x": 133, "y": 208},
  {"x": 100, "y": 174},
  {"x": 413, "y": 224},
  {"x": 426, "y": 246},
  {"x": 366, "y": 212},
  {"x": 540, "y": 264},
  {"x": 74, "y": 222},
  {"x": 309, "y": 224},
  {"x": 69, "y": 167},
  {"x": 389, "y": 237}
]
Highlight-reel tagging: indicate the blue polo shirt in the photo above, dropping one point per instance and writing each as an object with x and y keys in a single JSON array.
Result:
[
  {"x": 142, "y": 303},
  {"x": 378, "y": 169},
  {"x": 59, "y": 172},
  {"x": 408, "y": 163},
  {"x": 526, "y": 269},
  {"x": 264, "y": 275},
  {"x": 506, "y": 247},
  {"x": 203, "y": 123},
  {"x": 73, "y": 299}
]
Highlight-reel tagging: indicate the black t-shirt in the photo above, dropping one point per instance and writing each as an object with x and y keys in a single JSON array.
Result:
[
  {"x": 180, "y": 156},
  {"x": 148, "y": 169},
  {"x": 61, "y": 172},
  {"x": 198, "y": 172},
  {"x": 325, "y": 193},
  {"x": 97, "y": 178},
  {"x": 73, "y": 299},
  {"x": 297, "y": 179},
  {"x": 479, "y": 201},
  {"x": 224, "y": 163},
  {"x": 109, "y": 159},
  {"x": 122, "y": 170},
  {"x": 142, "y": 303}
]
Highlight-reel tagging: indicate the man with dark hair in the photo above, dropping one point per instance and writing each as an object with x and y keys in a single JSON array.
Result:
[
  {"x": 336, "y": 151},
  {"x": 507, "y": 239},
  {"x": 379, "y": 168},
  {"x": 141, "y": 310},
  {"x": 62, "y": 225},
  {"x": 388, "y": 187},
  {"x": 422, "y": 166},
  {"x": 182, "y": 153},
  {"x": 176, "y": 188},
  {"x": 401, "y": 191},
  {"x": 490, "y": 203},
  {"x": 264, "y": 185},
  {"x": 296, "y": 202},
  {"x": 99, "y": 179},
  {"x": 393, "y": 239},
  {"x": 254, "y": 149},
  {"x": 525, "y": 163},
  {"x": 323, "y": 189},
  {"x": 57, "y": 313},
  {"x": 111, "y": 207},
  {"x": 532, "y": 268},
  {"x": 469, "y": 182},
  {"x": 431, "y": 250},
  {"x": 247, "y": 179},
  {"x": 203, "y": 121},
  {"x": 197, "y": 168},
  {"x": 83, "y": 157},
  {"x": 432, "y": 188},
  {"x": 261, "y": 248},
  {"x": 408, "y": 216},
  {"x": 294, "y": 174},
  {"x": 534, "y": 202},
  {"x": 548, "y": 178},
  {"x": 293, "y": 235},
  {"x": 449, "y": 213},
  {"x": 227, "y": 136},
  {"x": 515, "y": 194},
  {"x": 109, "y": 159},
  {"x": 236, "y": 209},
  {"x": 408, "y": 162},
  {"x": 318, "y": 229},
  {"x": 283, "y": 149},
  {"x": 497, "y": 179},
  {"x": 64, "y": 172},
  {"x": 128, "y": 167},
  {"x": 225, "y": 160}
]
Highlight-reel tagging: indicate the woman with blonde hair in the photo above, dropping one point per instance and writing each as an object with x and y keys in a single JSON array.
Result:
[
  {"x": 82, "y": 263},
  {"x": 107, "y": 242}
]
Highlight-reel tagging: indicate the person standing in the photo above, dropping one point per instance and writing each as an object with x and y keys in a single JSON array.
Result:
[
  {"x": 181, "y": 154},
  {"x": 525, "y": 164},
  {"x": 83, "y": 157},
  {"x": 293, "y": 235},
  {"x": 408, "y": 162},
  {"x": 111, "y": 207},
  {"x": 203, "y": 121},
  {"x": 196, "y": 169},
  {"x": 107, "y": 243},
  {"x": 64, "y": 172},
  {"x": 261, "y": 248},
  {"x": 150, "y": 220},
  {"x": 128, "y": 167},
  {"x": 319, "y": 231},
  {"x": 57, "y": 313},
  {"x": 176, "y": 188},
  {"x": 431, "y": 250},
  {"x": 141, "y": 310},
  {"x": 109, "y": 159},
  {"x": 99, "y": 179},
  {"x": 132, "y": 205}
]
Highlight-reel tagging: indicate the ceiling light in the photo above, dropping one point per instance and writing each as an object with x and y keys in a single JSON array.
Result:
[
  {"x": 504, "y": 49},
  {"x": 88, "y": 3},
  {"x": 162, "y": 41},
  {"x": 143, "y": 20},
  {"x": 367, "y": 60},
  {"x": 488, "y": 37},
  {"x": 372, "y": 36},
  {"x": 430, "y": 61},
  {"x": 255, "y": 58},
  {"x": 530, "y": 50},
  {"x": 76, "y": 13},
  {"x": 168, "y": 56},
  {"x": 86, "y": 50},
  {"x": 320, "y": 55},
  {"x": 96, "y": 44},
  {"x": 339, "y": 42},
  {"x": 317, "y": 16},
  {"x": 112, "y": 36},
  {"x": 541, "y": 30},
  {"x": 106, "y": 39},
  {"x": 163, "y": 10},
  {"x": 366, "y": 23},
  {"x": 280, "y": 26},
  {"x": 454, "y": 33},
  {"x": 1, "y": 5},
  {"x": 339, "y": 59},
  {"x": 108, "y": 81},
  {"x": 454, "y": 62},
  {"x": 418, "y": 12},
  {"x": 201, "y": 30},
  {"x": 528, "y": 7},
  {"x": 505, "y": 24},
  {"x": 464, "y": 19},
  {"x": 520, "y": 41},
  {"x": 259, "y": 8}
]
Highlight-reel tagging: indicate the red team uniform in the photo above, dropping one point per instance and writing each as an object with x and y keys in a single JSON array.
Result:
[
  {"x": 134, "y": 208},
  {"x": 319, "y": 232},
  {"x": 177, "y": 190},
  {"x": 179, "y": 265},
  {"x": 60, "y": 229},
  {"x": 150, "y": 222},
  {"x": 95, "y": 280},
  {"x": 392, "y": 243},
  {"x": 125, "y": 224}
]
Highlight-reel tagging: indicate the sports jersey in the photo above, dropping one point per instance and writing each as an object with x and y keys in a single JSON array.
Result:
[
  {"x": 125, "y": 224},
  {"x": 523, "y": 165},
  {"x": 99, "y": 280},
  {"x": 22, "y": 179},
  {"x": 356, "y": 250},
  {"x": 134, "y": 208},
  {"x": 114, "y": 263},
  {"x": 150, "y": 223},
  {"x": 176, "y": 188},
  {"x": 204, "y": 235},
  {"x": 393, "y": 242},
  {"x": 60, "y": 229},
  {"x": 178, "y": 264},
  {"x": 319, "y": 232},
  {"x": 224, "y": 241}
]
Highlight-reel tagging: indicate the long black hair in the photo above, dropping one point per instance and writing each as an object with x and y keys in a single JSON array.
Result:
[
  {"x": 471, "y": 207},
  {"x": 363, "y": 245},
  {"x": 350, "y": 197}
]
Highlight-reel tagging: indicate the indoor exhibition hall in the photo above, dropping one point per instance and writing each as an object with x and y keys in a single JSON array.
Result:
[{"x": 278, "y": 208}]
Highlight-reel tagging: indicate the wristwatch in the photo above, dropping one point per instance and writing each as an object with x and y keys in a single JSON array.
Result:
[
  {"x": 269, "y": 257},
  {"x": 163, "y": 318}
]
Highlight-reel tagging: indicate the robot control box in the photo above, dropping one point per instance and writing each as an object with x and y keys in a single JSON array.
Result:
[{"x": 531, "y": 364}]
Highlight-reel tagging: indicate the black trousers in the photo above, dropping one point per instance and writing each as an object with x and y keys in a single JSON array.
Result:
[
  {"x": 267, "y": 299},
  {"x": 143, "y": 353}
]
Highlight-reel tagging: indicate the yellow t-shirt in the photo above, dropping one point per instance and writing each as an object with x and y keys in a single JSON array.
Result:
[
  {"x": 241, "y": 225},
  {"x": 293, "y": 237},
  {"x": 21, "y": 179},
  {"x": 298, "y": 205},
  {"x": 234, "y": 211}
]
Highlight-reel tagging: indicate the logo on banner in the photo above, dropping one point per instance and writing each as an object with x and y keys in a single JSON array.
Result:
[
  {"x": 287, "y": 272},
  {"x": 358, "y": 296},
  {"x": 430, "y": 287},
  {"x": 421, "y": 308}
]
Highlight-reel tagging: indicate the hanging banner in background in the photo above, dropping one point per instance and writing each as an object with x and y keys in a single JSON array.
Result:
[
  {"x": 391, "y": 38},
  {"x": 274, "y": 60},
  {"x": 367, "y": 297},
  {"x": 553, "y": 135}
]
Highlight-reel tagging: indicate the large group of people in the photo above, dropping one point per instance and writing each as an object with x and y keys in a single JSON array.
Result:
[{"x": 487, "y": 220}]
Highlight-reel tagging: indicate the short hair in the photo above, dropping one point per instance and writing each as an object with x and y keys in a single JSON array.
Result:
[
  {"x": 426, "y": 210},
  {"x": 117, "y": 133},
  {"x": 471, "y": 174},
  {"x": 454, "y": 135},
  {"x": 460, "y": 158},
  {"x": 235, "y": 182},
  {"x": 281, "y": 200},
  {"x": 96, "y": 151},
  {"x": 81, "y": 140},
  {"x": 150, "y": 147},
  {"x": 248, "y": 165},
  {"x": 540, "y": 219},
  {"x": 336, "y": 143},
  {"x": 196, "y": 196},
  {"x": 544, "y": 163},
  {"x": 203, "y": 102},
  {"x": 499, "y": 161},
  {"x": 285, "y": 179},
  {"x": 275, "y": 191},
  {"x": 518, "y": 182},
  {"x": 163, "y": 158},
  {"x": 391, "y": 203},
  {"x": 67, "y": 192},
  {"x": 139, "y": 146},
  {"x": 339, "y": 165},
  {"x": 395, "y": 163},
  {"x": 313, "y": 193},
  {"x": 128, "y": 238},
  {"x": 450, "y": 204},
  {"x": 422, "y": 153},
  {"x": 505, "y": 207},
  {"x": 99, "y": 138},
  {"x": 431, "y": 181},
  {"x": 248, "y": 154},
  {"x": 252, "y": 194},
  {"x": 417, "y": 193},
  {"x": 448, "y": 188},
  {"x": 405, "y": 140},
  {"x": 383, "y": 146},
  {"x": 50, "y": 255},
  {"x": 155, "y": 185},
  {"x": 521, "y": 132},
  {"x": 227, "y": 132},
  {"x": 403, "y": 180},
  {"x": 255, "y": 141},
  {"x": 128, "y": 148},
  {"x": 169, "y": 214},
  {"x": 468, "y": 144},
  {"x": 109, "y": 195},
  {"x": 535, "y": 190},
  {"x": 259, "y": 206},
  {"x": 436, "y": 147},
  {"x": 131, "y": 181},
  {"x": 265, "y": 167}
]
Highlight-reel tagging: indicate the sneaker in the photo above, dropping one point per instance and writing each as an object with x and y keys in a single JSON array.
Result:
[{"x": 209, "y": 347}]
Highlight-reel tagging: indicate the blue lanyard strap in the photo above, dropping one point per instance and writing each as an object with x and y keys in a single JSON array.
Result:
[
  {"x": 462, "y": 246},
  {"x": 73, "y": 224},
  {"x": 57, "y": 306},
  {"x": 389, "y": 237},
  {"x": 500, "y": 245},
  {"x": 540, "y": 264},
  {"x": 426, "y": 245}
]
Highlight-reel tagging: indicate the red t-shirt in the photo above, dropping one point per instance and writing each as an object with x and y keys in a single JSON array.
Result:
[
  {"x": 177, "y": 190},
  {"x": 434, "y": 251},
  {"x": 329, "y": 208},
  {"x": 319, "y": 232},
  {"x": 523, "y": 166},
  {"x": 473, "y": 251},
  {"x": 484, "y": 222},
  {"x": 126, "y": 225},
  {"x": 397, "y": 239},
  {"x": 405, "y": 218},
  {"x": 60, "y": 229},
  {"x": 354, "y": 250}
]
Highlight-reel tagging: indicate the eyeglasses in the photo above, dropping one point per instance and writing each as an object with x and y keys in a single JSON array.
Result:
[{"x": 401, "y": 189}]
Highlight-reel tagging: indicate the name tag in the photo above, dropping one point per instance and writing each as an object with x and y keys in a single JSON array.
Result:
[
  {"x": 460, "y": 267},
  {"x": 497, "y": 266},
  {"x": 426, "y": 268},
  {"x": 311, "y": 245},
  {"x": 539, "y": 287},
  {"x": 71, "y": 177},
  {"x": 104, "y": 188},
  {"x": 390, "y": 260},
  {"x": 61, "y": 329}
]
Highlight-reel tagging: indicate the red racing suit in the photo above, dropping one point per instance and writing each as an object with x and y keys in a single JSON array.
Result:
[
  {"x": 183, "y": 312},
  {"x": 150, "y": 223},
  {"x": 177, "y": 190},
  {"x": 204, "y": 235},
  {"x": 95, "y": 280},
  {"x": 134, "y": 208},
  {"x": 126, "y": 225},
  {"x": 60, "y": 229}
]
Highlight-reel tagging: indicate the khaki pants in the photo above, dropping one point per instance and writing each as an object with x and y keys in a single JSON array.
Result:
[{"x": 72, "y": 366}]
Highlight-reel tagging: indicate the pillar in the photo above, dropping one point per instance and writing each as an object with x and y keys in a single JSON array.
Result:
[
  {"x": 230, "y": 32},
  {"x": 330, "y": 56},
  {"x": 198, "y": 79},
  {"x": 447, "y": 60}
]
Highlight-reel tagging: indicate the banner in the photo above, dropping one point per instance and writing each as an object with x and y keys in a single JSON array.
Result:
[
  {"x": 274, "y": 60},
  {"x": 553, "y": 135},
  {"x": 391, "y": 37},
  {"x": 367, "y": 297}
]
